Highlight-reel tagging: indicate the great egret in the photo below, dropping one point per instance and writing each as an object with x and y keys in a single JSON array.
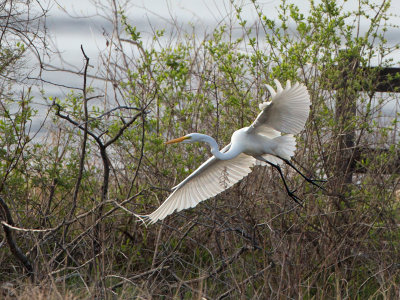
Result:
[{"x": 269, "y": 140}]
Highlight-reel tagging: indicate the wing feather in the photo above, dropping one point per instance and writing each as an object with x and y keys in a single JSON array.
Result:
[
  {"x": 210, "y": 179},
  {"x": 201, "y": 193},
  {"x": 287, "y": 111},
  {"x": 202, "y": 184}
]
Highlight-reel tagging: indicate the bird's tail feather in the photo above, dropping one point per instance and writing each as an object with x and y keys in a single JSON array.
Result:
[
  {"x": 287, "y": 146},
  {"x": 285, "y": 149}
]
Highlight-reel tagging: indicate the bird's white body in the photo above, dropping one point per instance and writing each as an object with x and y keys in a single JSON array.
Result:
[
  {"x": 251, "y": 144},
  {"x": 269, "y": 139}
]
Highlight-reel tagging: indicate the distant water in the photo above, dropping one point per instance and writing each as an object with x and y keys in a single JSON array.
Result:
[{"x": 70, "y": 33}]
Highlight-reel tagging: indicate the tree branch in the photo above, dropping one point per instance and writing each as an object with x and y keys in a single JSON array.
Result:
[
  {"x": 85, "y": 135},
  {"x": 15, "y": 250}
]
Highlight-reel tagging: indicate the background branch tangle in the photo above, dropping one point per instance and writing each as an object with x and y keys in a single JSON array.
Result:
[{"x": 69, "y": 185}]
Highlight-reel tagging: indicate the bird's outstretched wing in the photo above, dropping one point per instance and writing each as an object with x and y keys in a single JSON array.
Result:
[
  {"x": 287, "y": 111},
  {"x": 208, "y": 180}
]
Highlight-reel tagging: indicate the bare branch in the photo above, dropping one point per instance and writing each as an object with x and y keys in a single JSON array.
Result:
[{"x": 15, "y": 250}]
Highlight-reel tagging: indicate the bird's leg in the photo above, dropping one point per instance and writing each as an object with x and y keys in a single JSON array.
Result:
[
  {"x": 312, "y": 181},
  {"x": 289, "y": 192}
]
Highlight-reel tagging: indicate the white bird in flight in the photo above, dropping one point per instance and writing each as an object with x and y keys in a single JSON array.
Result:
[{"x": 269, "y": 140}]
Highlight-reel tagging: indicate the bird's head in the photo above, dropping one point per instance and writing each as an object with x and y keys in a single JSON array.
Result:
[{"x": 189, "y": 138}]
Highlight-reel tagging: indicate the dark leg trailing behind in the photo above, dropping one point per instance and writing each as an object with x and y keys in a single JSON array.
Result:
[{"x": 290, "y": 192}]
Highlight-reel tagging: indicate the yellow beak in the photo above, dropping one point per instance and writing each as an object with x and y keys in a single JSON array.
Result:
[{"x": 178, "y": 140}]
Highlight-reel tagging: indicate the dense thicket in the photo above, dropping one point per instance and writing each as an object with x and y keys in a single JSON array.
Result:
[{"x": 70, "y": 198}]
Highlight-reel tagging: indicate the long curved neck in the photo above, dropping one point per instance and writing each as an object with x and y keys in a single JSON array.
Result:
[{"x": 231, "y": 153}]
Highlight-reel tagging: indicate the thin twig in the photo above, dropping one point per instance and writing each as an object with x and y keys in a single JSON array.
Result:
[
  {"x": 222, "y": 296},
  {"x": 137, "y": 276},
  {"x": 223, "y": 265}
]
